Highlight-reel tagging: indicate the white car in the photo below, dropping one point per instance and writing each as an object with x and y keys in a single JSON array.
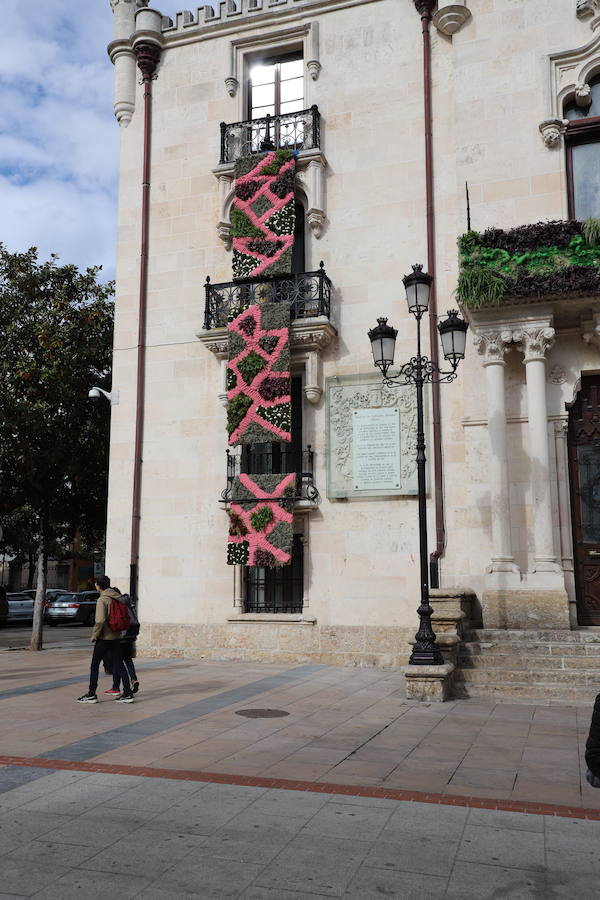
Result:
[{"x": 20, "y": 608}]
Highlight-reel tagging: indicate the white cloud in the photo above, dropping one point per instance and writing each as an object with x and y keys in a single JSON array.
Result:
[{"x": 58, "y": 136}]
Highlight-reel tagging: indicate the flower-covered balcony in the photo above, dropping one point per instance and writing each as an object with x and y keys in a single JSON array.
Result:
[
  {"x": 308, "y": 296},
  {"x": 275, "y": 458},
  {"x": 290, "y": 131},
  {"x": 544, "y": 262}
]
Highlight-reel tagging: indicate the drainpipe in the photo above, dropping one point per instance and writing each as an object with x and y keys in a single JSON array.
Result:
[
  {"x": 147, "y": 46},
  {"x": 425, "y": 10}
]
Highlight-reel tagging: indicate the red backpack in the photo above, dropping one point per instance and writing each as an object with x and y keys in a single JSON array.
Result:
[{"x": 118, "y": 616}]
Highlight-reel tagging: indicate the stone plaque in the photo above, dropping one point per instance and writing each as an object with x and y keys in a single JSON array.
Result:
[
  {"x": 376, "y": 449},
  {"x": 372, "y": 454}
]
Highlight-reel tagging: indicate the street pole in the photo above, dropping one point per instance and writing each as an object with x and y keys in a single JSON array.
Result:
[{"x": 425, "y": 652}]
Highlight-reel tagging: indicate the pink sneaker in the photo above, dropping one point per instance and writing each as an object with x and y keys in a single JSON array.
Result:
[{"x": 112, "y": 691}]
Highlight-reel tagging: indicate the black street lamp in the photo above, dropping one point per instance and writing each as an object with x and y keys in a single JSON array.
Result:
[{"x": 420, "y": 369}]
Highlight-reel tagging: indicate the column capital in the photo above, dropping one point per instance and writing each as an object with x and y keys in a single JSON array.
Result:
[
  {"x": 534, "y": 341},
  {"x": 492, "y": 345}
]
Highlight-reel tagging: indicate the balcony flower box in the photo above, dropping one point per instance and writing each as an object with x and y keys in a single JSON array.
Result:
[{"x": 531, "y": 262}]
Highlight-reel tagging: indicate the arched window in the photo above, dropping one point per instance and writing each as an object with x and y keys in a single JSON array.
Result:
[{"x": 583, "y": 155}]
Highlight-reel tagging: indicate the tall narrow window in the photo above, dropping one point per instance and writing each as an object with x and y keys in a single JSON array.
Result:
[
  {"x": 278, "y": 590},
  {"x": 276, "y": 89},
  {"x": 583, "y": 156},
  {"x": 298, "y": 248}
]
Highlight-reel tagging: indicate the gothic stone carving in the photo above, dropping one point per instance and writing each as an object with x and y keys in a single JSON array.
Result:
[
  {"x": 586, "y": 8},
  {"x": 557, "y": 375},
  {"x": 552, "y": 131}
]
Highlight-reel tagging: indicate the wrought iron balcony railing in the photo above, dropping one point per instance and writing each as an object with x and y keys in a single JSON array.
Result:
[
  {"x": 291, "y": 131},
  {"x": 308, "y": 295},
  {"x": 274, "y": 459}
]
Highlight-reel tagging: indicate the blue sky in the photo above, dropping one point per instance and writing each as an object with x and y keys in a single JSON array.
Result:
[{"x": 58, "y": 136}]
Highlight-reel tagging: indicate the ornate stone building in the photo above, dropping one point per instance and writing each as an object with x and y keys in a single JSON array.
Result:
[{"x": 513, "y": 89}]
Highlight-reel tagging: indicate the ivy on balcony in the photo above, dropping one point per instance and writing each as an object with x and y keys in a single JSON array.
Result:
[{"x": 532, "y": 261}]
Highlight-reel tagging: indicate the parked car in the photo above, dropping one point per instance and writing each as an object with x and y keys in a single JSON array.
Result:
[
  {"x": 51, "y": 593},
  {"x": 20, "y": 608},
  {"x": 75, "y": 607}
]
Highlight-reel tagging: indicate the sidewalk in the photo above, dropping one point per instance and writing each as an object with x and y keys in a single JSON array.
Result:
[{"x": 388, "y": 797}]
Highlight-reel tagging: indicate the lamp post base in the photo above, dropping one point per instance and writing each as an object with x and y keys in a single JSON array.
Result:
[
  {"x": 431, "y": 684},
  {"x": 426, "y": 656}
]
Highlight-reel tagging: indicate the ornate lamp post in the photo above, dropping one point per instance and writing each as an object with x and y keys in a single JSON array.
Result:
[{"x": 418, "y": 371}]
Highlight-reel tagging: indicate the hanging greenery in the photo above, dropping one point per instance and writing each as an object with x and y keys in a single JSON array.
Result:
[{"x": 529, "y": 261}]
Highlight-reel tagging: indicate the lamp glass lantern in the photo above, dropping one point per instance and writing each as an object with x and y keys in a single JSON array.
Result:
[
  {"x": 453, "y": 335},
  {"x": 383, "y": 344},
  {"x": 417, "y": 286}
]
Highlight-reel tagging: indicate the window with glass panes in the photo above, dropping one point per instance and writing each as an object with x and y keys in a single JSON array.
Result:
[
  {"x": 583, "y": 156},
  {"x": 276, "y": 87}
]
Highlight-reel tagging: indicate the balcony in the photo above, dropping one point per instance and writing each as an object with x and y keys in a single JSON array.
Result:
[
  {"x": 544, "y": 262},
  {"x": 308, "y": 296},
  {"x": 291, "y": 131},
  {"x": 267, "y": 459}
]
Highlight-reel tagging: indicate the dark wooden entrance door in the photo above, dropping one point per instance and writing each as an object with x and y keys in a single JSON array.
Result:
[{"x": 584, "y": 473}]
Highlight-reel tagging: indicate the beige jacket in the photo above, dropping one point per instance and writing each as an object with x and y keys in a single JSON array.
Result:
[{"x": 101, "y": 631}]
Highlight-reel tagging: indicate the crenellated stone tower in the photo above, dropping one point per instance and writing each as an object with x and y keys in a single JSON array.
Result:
[{"x": 123, "y": 57}]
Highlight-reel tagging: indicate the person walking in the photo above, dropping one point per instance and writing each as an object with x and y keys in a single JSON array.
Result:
[
  {"x": 592, "y": 747},
  {"x": 127, "y": 650},
  {"x": 106, "y": 643}
]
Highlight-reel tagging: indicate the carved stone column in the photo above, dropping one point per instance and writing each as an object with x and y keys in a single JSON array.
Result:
[
  {"x": 492, "y": 346},
  {"x": 123, "y": 58},
  {"x": 535, "y": 341}
]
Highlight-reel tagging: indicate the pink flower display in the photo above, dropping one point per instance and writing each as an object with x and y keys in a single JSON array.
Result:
[
  {"x": 258, "y": 377},
  {"x": 260, "y": 532},
  {"x": 263, "y": 214}
]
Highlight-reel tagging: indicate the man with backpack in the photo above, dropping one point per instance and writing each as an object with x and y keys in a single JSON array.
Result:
[
  {"x": 127, "y": 650},
  {"x": 112, "y": 620}
]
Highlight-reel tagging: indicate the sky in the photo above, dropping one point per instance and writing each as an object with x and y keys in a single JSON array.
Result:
[{"x": 58, "y": 135}]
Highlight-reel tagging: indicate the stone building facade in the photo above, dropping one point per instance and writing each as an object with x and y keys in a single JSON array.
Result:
[{"x": 511, "y": 83}]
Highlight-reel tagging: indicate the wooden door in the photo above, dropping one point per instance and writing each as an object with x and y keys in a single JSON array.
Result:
[{"x": 584, "y": 474}]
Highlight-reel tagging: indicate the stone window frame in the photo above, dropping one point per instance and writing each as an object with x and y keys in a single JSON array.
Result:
[
  {"x": 310, "y": 164},
  {"x": 570, "y": 72}
]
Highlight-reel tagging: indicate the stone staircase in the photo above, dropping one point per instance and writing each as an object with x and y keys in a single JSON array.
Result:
[{"x": 557, "y": 665}]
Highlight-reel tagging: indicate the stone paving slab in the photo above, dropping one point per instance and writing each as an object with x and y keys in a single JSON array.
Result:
[
  {"x": 270, "y": 844},
  {"x": 344, "y": 726}
]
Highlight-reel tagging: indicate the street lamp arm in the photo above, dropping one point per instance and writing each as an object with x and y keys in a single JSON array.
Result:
[{"x": 420, "y": 369}]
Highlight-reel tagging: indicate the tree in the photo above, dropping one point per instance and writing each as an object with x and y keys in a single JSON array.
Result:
[{"x": 55, "y": 343}]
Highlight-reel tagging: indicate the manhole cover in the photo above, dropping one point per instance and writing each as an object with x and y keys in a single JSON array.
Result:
[{"x": 261, "y": 713}]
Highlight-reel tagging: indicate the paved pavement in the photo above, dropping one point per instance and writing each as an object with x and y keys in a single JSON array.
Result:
[
  {"x": 355, "y": 793},
  {"x": 16, "y": 636}
]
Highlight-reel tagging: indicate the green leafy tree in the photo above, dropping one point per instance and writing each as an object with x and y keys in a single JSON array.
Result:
[{"x": 55, "y": 343}]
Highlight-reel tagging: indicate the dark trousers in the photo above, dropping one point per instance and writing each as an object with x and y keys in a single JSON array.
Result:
[
  {"x": 592, "y": 747},
  {"x": 102, "y": 649},
  {"x": 126, "y": 653}
]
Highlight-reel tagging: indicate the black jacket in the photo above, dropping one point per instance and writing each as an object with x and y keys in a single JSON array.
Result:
[{"x": 592, "y": 747}]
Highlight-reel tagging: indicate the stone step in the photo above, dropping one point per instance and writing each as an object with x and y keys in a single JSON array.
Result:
[
  {"x": 527, "y": 690},
  {"x": 487, "y": 648},
  {"x": 508, "y": 676},
  {"x": 530, "y": 663},
  {"x": 586, "y": 636}
]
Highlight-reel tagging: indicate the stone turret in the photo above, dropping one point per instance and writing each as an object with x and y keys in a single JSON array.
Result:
[{"x": 122, "y": 56}]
